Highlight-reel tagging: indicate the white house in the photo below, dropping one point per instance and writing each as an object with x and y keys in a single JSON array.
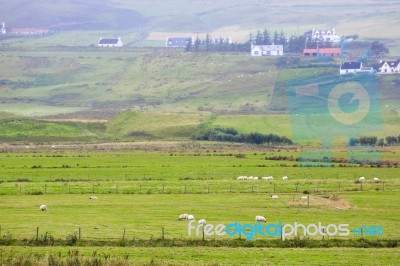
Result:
[
  {"x": 354, "y": 67},
  {"x": 110, "y": 42},
  {"x": 389, "y": 67},
  {"x": 3, "y": 29},
  {"x": 266, "y": 50},
  {"x": 178, "y": 42},
  {"x": 322, "y": 35}
]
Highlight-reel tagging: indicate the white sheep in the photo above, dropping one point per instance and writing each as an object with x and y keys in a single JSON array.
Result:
[
  {"x": 250, "y": 178},
  {"x": 376, "y": 180},
  {"x": 267, "y": 178},
  {"x": 43, "y": 207},
  {"x": 260, "y": 218},
  {"x": 303, "y": 197},
  {"x": 190, "y": 217},
  {"x": 255, "y": 178},
  {"x": 274, "y": 197},
  {"x": 183, "y": 216},
  {"x": 241, "y": 178},
  {"x": 94, "y": 197},
  {"x": 361, "y": 179},
  {"x": 284, "y": 178},
  {"x": 202, "y": 222}
]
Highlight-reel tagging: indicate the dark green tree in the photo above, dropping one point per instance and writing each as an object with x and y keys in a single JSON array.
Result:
[
  {"x": 276, "y": 37},
  {"x": 266, "y": 37}
]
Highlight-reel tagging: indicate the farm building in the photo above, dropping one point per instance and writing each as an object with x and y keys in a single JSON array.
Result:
[
  {"x": 266, "y": 50},
  {"x": 389, "y": 67},
  {"x": 322, "y": 35},
  {"x": 178, "y": 42},
  {"x": 224, "y": 40},
  {"x": 29, "y": 31},
  {"x": 3, "y": 29},
  {"x": 353, "y": 68},
  {"x": 110, "y": 42},
  {"x": 322, "y": 51}
]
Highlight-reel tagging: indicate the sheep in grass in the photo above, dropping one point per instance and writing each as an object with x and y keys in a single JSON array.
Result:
[
  {"x": 43, "y": 207},
  {"x": 93, "y": 197},
  {"x": 183, "y": 216},
  {"x": 304, "y": 197},
  {"x": 202, "y": 222},
  {"x": 241, "y": 178},
  {"x": 255, "y": 178},
  {"x": 267, "y": 178},
  {"x": 274, "y": 197},
  {"x": 250, "y": 178},
  {"x": 284, "y": 178},
  {"x": 190, "y": 217},
  {"x": 376, "y": 180},
  {"x": 260, "y": 218},
  {"x": 361, "y": 179}
]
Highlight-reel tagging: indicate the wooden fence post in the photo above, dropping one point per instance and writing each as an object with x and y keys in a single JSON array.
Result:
[
  {"x": 37, "y": 233},
  {"x": 79, "y": 234},
  {"x": 123, "y": 235},
  {"x": 162, "y": 231}
]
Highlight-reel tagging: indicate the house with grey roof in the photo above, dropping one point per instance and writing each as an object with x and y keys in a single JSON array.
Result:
[
  {"x": 114, "y": 42},
  {"x": 181, "y": 42},
  {"x": 389, "y": 67}
]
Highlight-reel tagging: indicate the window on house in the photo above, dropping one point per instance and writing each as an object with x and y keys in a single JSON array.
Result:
[
  {"x": 268, "y": 52},
  {"x": 255, "y": 52},
  {"x": 277, "y": 52}
]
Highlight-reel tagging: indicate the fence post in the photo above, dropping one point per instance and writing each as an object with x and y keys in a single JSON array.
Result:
[
  {"x": 297, "y": 185},
  {"x": 79, "y": 234},
  {"x": 163, "y": 189},
  {"x": 383, "y": 186},
  {"x": 208, "y": 189},
  {"x": 37, "y": 233},
  {"x": 45, "y": 188},
  {"x": 162, "y": 231},
  {"x": 308, "y": 201},
  {"x": 203, "y": 232},
  {"x": 123, "y": 235},
  {"x": 361, "y": 186}
]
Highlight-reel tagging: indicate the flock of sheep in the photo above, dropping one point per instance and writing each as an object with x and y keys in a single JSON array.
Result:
[
  {"x": 362, "y": 179},
  {"x": 267, "y": 178},
  {"x": 190, "y": 217}
]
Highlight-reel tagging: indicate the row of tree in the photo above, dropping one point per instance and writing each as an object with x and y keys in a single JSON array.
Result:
[
  {"x": 295, "y": 44},
  {"x": 232, "y": 135},
  {"x": 374, "y": 141}
]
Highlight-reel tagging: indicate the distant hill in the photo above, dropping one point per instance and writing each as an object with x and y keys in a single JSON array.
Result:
[
  {"x": 366, "y": 18},
  {"x": 68, "y": 15}
]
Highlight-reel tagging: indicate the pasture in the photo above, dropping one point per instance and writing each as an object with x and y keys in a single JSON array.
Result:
[{"x": 143, "y": 188}]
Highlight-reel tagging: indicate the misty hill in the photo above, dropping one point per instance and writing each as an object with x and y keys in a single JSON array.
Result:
[{"x": 235, "y": 17}]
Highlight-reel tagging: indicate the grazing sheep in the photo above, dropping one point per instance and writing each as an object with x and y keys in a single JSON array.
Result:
[
  {"x": 274, "y": 197},
  {"x": 255, "y": 178},
  {"x": 190, "y": 217},
  {"x": 303, "y": 197},
  {"x": 241, "y": 178},
  {"x": 202, "y": 222},
  {"x": 94, "y": 197},
  {"x": 183, "y": 216},
  {"x": 260, "y": 218},
  {"x": 376, "y": 180},
  {"x": 361, "y": 179},
  {"x": 268, "y": 178},
  {"x": 43, "y": 207},
  {"x": 284, "y": 178},
  {"x": 250, "y": 178}
]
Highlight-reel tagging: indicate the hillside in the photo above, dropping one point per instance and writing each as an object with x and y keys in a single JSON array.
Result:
[{"x": 158, "y": 18}]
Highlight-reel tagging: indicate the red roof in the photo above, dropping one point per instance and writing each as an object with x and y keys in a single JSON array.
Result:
[{"x": 322, "y": 51}]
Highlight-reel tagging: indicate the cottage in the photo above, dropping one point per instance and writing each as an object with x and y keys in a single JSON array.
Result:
[
  {"x": 350, "y": 67},
  {"x": 110, "y": 42},
  {"x": 178, "y": 42},
  {"x": 221, "y": 40},
  {"x": 322, "y": 35},
  {"x": 389, "y": 67},
  {"x": 322, "y": 51},
  {"x": 354, "y": 67},
  {"x": 266, "y": 50}
]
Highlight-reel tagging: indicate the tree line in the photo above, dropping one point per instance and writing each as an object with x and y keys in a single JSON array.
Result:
[
  {"x": 293, "y": 44},
  {"x": 374, "y": 141},
  {"x": 232, "y": 135}
]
